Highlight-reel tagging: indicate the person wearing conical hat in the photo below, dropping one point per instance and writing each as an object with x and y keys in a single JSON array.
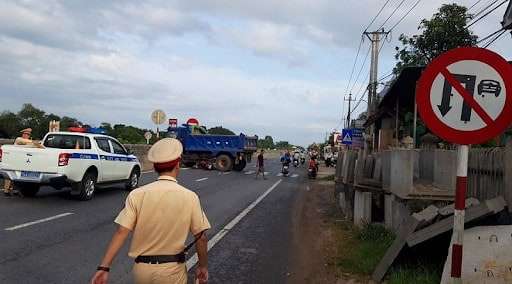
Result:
[{"x": 160, "y": 216}]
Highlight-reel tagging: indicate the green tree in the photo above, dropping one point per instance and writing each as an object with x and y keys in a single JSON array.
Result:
[
  {"x": 444, "y": 31},
  {"x": 282, "y": 145},
  {"x": 219, "y": 130},
  {"x": 9, "y": 124},
  {"x": 30, "y": 116},
  {"x": 66, "y": 122},
  {"x": 267, "y": 143}
]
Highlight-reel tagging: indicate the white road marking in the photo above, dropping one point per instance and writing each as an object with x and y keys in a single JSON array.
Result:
[
  {"x": 267, "y": 173},
  {"x": 184, "y": 169},
  {"x": 38, "y": 221},
  {"x": 307, "y": 188},
  {"x": 280, "y": 174},
  {"x": 201, "y": 179},
  {"x": 250, "y": 172},
  {"x": 212, "y": 242},
  {"x": 295, "y": 175},
  {"x": 226, "y": 173},
  {"x": 147, "y": 172}
]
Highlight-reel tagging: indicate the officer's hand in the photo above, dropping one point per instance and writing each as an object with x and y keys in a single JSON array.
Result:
[
  {"x": 100, "y": 277},
  {"x": 202, "y": 275}
]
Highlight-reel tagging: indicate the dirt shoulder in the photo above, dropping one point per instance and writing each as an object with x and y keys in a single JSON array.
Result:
[{"x": 316, "y": 242}]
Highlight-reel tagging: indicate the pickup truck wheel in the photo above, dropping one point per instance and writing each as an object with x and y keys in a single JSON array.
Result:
[
  {"x": 86, "y": 187},
  {"x": 224, "y": 163},
  {"x": 27, "y": 189},
  {"x": 133, "y": 182},
  {"x": 240, "y": 166}
]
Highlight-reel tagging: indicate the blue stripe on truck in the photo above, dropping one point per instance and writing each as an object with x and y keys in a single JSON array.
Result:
[{"x": 85, "y": 156}]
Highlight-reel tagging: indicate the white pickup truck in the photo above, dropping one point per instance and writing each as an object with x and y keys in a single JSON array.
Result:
[{"x": 79, "y": 160}]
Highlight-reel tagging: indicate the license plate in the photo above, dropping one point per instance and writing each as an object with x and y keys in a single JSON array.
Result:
[{"x": 31, "y": 175}]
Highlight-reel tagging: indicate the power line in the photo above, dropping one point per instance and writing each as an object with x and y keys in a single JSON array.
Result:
[
  {"x": 496, "y": 38},
  {"x": 406, "y": 14},
  {"x": 472, "y": 6},
  {"x": 380, "y": 11},
  {"x": 489, "y": 36},
  {"x": 354, "y": 66},
  {"x": 361, "y": 69},
  {"x": 486, "y": 14},
  {"x": 488, "y": 5},
  {"x": 392, "y": 13}
]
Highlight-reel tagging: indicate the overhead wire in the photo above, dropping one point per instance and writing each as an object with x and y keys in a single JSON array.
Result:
[
  {"x": 378, "y": 14},
  {"x": 361, "y": 69},
  {"x": 486, "y": 14},
  {"x": 487, "y": 6},
  {"x": 354, "y": 65},
  {"x": 495, "y": 38},
  {"x": 405, "y": 15},
  {"x": 392, "y": 13},
  {"x": 489, "y": 36},
  {"x": 474, "y": 4}
]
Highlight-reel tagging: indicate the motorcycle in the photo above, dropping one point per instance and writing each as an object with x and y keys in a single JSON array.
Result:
[
  {"x": 295, "y": 163},
  {"x": 312, "y": 170},
  {"x": 302, "y": 161},
  {"x": 285, "y": 171}
]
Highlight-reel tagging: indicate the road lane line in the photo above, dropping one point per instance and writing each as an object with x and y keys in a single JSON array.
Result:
[
  {"x": 201, "y": 179},
  {"x": 295, "y": 175},
  {"x": 38, "y": 221},
  {"x": 213, "y": 241},
  {"x": 147, "y": 172},
  {"x": 280, "y": 174},
  {"x": 226, "y": 173},
  {"x": 249, "y": 172}
]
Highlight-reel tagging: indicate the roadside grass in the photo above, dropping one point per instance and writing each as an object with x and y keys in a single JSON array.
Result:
[
  {"x": 327, "y": 178},
  {"x": 421, "y": 274},
  {"x": 361, "y": 249}
]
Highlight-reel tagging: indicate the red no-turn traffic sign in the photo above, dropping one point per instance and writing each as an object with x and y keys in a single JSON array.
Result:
[{"x": 465, "y": 95}]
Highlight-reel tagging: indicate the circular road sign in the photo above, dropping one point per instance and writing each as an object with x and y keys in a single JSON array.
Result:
[
  {"x": 148, "y": 135},
  {"x": 465, "y": 95},
  {"x": 158, "y": 116}
]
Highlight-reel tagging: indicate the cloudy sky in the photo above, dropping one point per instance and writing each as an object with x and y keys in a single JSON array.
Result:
[{"x": 268, "y": 67}]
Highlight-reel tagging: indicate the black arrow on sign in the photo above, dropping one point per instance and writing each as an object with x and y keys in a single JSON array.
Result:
[
  {"x": 445, "y": 107},
  {"x": 469, "y": 82}
]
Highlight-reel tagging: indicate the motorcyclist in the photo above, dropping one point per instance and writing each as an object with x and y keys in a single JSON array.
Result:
[
  {"x": 302, "y": 157},
  {"x": 296, "y": 157},
  {"x": 286, "y": 159}
]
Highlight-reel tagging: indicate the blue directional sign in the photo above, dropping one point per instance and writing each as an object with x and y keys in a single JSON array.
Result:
[{"x": 346, "y": 136}]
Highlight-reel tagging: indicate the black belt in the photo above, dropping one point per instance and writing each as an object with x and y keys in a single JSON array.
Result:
[
  {"x": 179, "y": 258},
  {"x": 156, "y": 259}
]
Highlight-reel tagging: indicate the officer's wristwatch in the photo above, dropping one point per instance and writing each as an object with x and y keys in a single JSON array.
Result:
[{"x": 103, "y": 268}]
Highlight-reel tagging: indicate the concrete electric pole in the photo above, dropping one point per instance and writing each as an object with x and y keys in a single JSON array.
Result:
[
  {"x": 347, "y": 125},
  {"x": 375, "y": 38}
]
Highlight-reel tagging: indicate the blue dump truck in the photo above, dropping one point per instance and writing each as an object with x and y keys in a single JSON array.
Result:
[{"x": 225, "y": 152}]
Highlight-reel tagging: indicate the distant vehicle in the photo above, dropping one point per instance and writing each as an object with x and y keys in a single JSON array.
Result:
[
  {"x": 81, "y": 160},
  {"x": 489, "y": 87},
  {"x": 225, "y": 152}
]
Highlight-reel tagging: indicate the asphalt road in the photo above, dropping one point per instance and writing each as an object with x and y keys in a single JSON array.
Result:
[{"x": 68, "y": 247}]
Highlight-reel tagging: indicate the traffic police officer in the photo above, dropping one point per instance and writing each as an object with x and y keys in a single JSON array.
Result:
[
  {"x": 26, "y": 141},
  {"x": 160, "y": 215}
]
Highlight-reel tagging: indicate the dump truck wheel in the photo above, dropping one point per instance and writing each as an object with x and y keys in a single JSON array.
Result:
[{"x": 224, "y": 163}]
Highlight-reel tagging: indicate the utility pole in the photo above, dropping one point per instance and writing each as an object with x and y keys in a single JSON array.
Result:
[
  {"x": 347, "y": 125},
  {"x": 375, "y": 38}
]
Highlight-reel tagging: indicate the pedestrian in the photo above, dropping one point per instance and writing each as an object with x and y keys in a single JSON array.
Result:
[
  {"x": 160, "y": 215},
  {"x": 24, "y": 140},
  {"x": 260, "y": 166}
]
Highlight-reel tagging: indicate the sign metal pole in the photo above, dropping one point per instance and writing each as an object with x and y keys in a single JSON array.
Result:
[{"x": 458, "y": 220}]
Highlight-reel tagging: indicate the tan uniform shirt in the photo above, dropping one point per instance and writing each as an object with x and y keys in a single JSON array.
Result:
[
  {"x": 161, "y": 215},
  {"x": 23, "y": 141}
]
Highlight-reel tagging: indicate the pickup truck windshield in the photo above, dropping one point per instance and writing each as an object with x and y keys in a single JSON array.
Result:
[{"x": 63, "y": 141}]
